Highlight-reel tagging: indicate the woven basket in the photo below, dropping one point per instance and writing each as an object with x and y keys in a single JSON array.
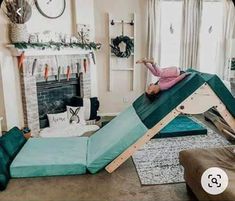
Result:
[{"x": 18, "y": 33}]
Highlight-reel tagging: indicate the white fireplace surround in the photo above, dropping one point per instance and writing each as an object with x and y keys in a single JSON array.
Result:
[{"x": 88, "y": 85}]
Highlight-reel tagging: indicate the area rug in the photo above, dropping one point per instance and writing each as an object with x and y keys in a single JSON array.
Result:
[{"x": 157, "y": 162}]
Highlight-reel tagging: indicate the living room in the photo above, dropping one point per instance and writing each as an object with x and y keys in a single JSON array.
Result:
[{"x": 117, "y": 100}]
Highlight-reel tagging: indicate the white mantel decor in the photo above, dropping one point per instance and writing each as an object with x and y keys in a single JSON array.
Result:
[
  {"x": 53, "y": 58},
  {"x": 47, "y": 52}
]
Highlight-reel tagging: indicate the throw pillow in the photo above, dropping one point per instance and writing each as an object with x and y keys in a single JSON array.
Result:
[
  {"x": 91, "y": 106},
  {"x": 58, "y": 120},
  {"x": 12, "y": 142},
  {"x": 4, "y": 169},
  {"x": 76, "y": 115}
]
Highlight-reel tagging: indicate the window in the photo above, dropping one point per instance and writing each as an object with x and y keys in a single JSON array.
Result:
[
  {"x": 211, "y": 29},
  {"x": 171, "y": 22},
  {"x": 210, "y": 33}
]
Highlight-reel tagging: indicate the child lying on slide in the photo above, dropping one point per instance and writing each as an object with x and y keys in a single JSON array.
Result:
[{"x": 168, "y": 77}]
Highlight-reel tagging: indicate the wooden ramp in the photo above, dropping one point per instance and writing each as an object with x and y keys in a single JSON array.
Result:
[{"x": 220, "y": 124}]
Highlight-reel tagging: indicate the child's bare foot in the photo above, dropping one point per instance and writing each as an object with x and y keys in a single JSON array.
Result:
[
  {"x": 149, "y": 61},
  {"x": 145, "y": 60},
  {"x": 141, "y": 61}
]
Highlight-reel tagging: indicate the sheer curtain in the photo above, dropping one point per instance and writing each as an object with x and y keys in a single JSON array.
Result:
[
  {"x": 210, "y": 33},
  {"x": 205, "y": 35},
  {"x": 225, "y": 41},
  {"x": 154, "y": 34},
  {"x": 192, "y": 12},
  {"x": 171, "y": 31}
]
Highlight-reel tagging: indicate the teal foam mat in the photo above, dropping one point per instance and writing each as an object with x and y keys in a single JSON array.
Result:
[
  {"x": 114, "y": 138},
  {"x": 151, "y": 112},
  {"x": 182, "y": 126},
  {"x": 50, "y": 157}
]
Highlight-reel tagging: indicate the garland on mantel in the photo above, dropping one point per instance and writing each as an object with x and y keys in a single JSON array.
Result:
[{"x": 58, "y": 46}]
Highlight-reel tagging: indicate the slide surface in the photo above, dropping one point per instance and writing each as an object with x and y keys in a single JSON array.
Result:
[
  {"x": 151, "y": 112},
  {"x": 111, "y": 140},
  {"x": 220, "y": 90}
]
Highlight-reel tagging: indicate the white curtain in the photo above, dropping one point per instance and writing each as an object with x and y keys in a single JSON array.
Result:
[
  {"x": 225, "y": 44},
  {"x": 192, "y": 12},
  {"x": 154, "y": 36}
]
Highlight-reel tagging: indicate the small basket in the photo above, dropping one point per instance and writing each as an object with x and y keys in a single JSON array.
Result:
[{"x": 18, "y": 33}]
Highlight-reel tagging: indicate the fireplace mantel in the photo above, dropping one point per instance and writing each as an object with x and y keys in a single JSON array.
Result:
[{"x": 47, "y": 52}]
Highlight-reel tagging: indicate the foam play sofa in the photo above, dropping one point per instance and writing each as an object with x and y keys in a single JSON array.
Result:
[
  {"x": 10, "y": 145},
  {"x": 113, "y": 144}
]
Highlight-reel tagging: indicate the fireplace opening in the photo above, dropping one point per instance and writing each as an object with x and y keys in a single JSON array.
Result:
[{"x": 53, "y": 96}]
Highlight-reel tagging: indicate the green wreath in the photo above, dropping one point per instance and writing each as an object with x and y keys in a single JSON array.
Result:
[{"x": 115, "y": 49}]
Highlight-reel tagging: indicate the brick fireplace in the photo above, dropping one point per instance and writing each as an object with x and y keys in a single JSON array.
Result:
[
  {"x": 53, "y": 96},
  {"x": 31, "y": 80}
]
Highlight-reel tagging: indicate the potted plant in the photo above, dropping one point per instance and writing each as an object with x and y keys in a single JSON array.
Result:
[{"x": 18, "y": 12}]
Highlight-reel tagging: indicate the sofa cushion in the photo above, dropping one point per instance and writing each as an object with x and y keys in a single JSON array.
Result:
[
  {"x": 182, "y": 126},
  {"x": 110, "y": 141},
  {"x": 12, "y": 142},
  {"x": 50, "y": 157},
  {"x": 4, "y": 169}
]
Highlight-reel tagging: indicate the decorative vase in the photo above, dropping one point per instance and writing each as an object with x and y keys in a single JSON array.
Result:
[
  {"x": 18, "y": 33},
  {"x": 33, "y": 38}
]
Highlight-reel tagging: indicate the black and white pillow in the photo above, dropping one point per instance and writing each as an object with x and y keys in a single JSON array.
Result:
[
  {"x": 91, "y": 106},
  {"x": 58, "y": 120},
  {"x": 76, "y": 115}
]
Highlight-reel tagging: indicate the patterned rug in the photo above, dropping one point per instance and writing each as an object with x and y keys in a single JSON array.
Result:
[{"x": 157, "y": 162}]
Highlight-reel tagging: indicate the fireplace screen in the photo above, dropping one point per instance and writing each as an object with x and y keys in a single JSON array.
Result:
[{"x": 53, "y": 96}]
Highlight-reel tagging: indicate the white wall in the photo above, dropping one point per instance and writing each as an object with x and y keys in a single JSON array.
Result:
[
  {"x": 85, "y": 15},
  {"x": 112, "y": 102},
  {"x": 39, "y": 23},
  {"x": 10, "y": 96},
  {"x": 233, "y": 48},
  {"x": 10, "y": 104}
]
